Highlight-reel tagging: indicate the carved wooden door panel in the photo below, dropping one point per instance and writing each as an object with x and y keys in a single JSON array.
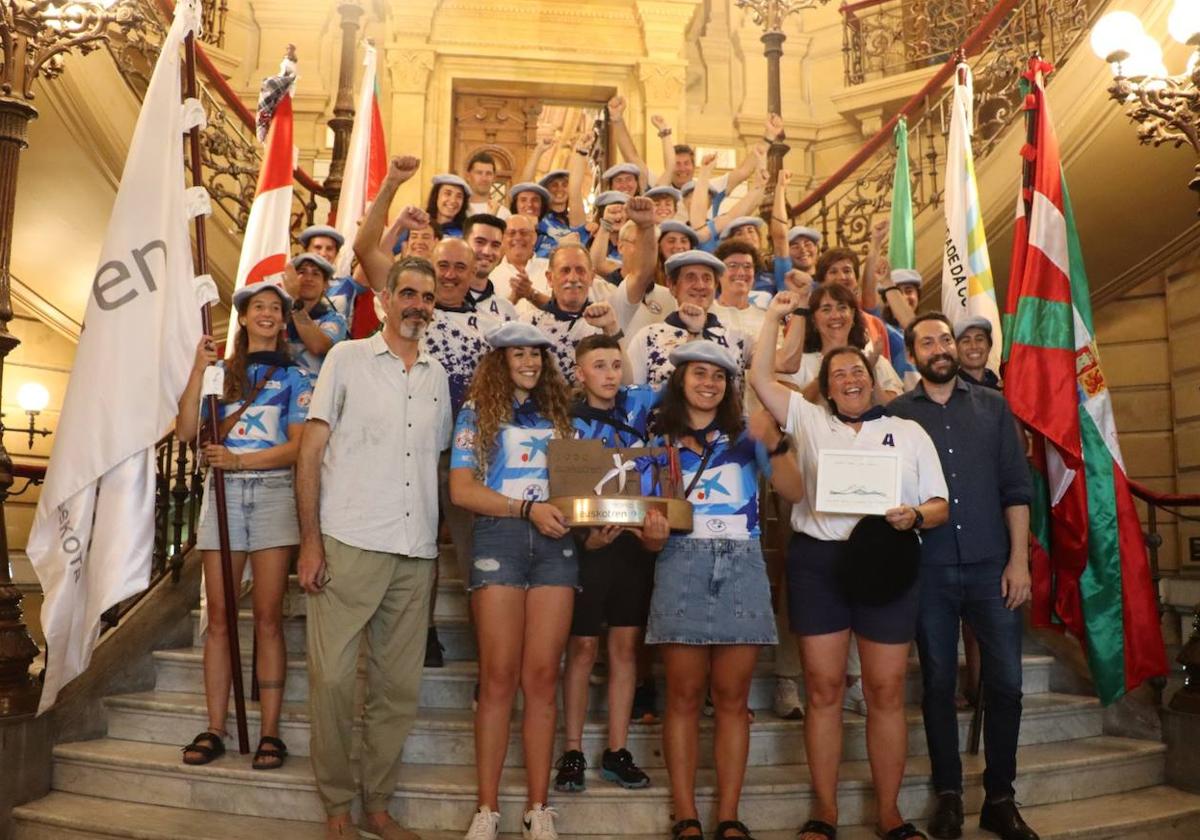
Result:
[{"x": 505, "y": 126}]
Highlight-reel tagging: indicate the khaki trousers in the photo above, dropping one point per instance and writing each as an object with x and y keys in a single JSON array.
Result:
[{"x": 387, "y": 595}]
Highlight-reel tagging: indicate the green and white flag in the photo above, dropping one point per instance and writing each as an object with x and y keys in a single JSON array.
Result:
[{"x": 901, "y": 250}]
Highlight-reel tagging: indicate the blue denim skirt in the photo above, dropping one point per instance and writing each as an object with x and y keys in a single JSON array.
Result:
[
  {"x": 261, "y": 508},
  {"x": 711, "y": 592}
]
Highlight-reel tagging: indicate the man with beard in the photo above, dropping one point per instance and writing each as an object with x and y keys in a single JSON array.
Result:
[
  {"x": 975, "y": 568},
  {"x": 379, "y": 416}
]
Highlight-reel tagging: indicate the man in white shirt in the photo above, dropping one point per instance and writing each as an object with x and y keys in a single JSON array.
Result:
[
  {"x": 485, "y": 234},
  {"x": 379, "y": 417},
  {"x": 520, "y": 273},
  {"x": 481, "y": 175},
  {"x": 638, "y": 300}
]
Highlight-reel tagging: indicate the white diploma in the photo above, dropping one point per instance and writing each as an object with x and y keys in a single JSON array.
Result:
[{"x": 857, "y": 481}]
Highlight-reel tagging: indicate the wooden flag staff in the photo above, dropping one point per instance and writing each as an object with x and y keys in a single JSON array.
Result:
[{"x": 228, "y": 584}]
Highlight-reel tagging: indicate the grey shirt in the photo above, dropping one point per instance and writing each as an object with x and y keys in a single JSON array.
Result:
[
  {"x": 984, "y": 463},
  {"x": 379, "y": 487}
]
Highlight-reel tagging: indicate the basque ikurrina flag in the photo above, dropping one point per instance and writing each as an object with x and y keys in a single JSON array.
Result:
[
  {"x": 967, "y": 288},
  {"x": 1090, "y": 570}
]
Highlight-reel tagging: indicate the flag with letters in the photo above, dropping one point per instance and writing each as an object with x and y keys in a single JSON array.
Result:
[
  {"x": 967, "y": 289},
  {"x": 93, "y": 533}
]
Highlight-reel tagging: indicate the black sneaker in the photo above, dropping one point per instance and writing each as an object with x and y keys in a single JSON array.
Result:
[
  {"x": 570, "y": 772},
  {"x": 645, "y": 703},
  {"x": 435, "y": 654},
  {"x": 619, "y": 767}
]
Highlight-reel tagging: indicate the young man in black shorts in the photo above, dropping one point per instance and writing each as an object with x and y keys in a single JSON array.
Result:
[{"x": 616, "y": 576}]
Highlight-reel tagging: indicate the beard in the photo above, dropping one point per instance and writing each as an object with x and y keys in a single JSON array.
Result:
[
  {"x": 407, "y": 328},
  {"x": 938, "y": 378}
]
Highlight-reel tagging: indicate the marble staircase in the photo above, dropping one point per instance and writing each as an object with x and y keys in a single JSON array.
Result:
[{"x": 1076, "y": 782}]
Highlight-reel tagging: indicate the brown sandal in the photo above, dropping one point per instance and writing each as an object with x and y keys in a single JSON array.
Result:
[
  {"x": 208, "y": 745},
  {"x": 275, "y": 757}
]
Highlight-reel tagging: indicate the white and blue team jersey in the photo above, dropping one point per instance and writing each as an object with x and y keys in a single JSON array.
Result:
[
  {"x": 517, "y": 465},
  {"x": 283, "y": 401},
  {"x": 330, "y": 323},
  {"x": 341, "y": 294},
  {"x": 554, "y": 227},
  {"x": 455, "y": 338},
  {"x": 565, "y": 330},
  {"x": 624, "y": 425},
  {"x": 650, "y": 349},
  {"x": 487, "y": 302},
  {"x": 725, "y": 496}
]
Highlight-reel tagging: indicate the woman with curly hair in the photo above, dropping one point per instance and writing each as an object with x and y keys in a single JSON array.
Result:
[{"x": 524, "y": 568}]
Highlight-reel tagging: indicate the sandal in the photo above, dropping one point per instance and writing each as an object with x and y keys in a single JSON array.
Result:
[
  {"x": 829, "y": 832},
  {"x": 274, "y": 758},
  {"x": 208, "y": 745},
  {"x": 686, "y": 825},
  {"x": 904, "y": 831},
  {"x": 732, "y": 825}
]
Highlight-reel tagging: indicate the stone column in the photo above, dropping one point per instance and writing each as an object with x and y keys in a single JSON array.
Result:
[{"x": 663, "y": 73}]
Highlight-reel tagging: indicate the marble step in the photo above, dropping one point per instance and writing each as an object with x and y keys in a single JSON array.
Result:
[
  {"x": 456, "y": 636},
  {"x": 453, "y": 686},
  {"x": 442, "y": 797},
  {"x": 447, "y": 736},
  {"x": 1153, "y": 813}
]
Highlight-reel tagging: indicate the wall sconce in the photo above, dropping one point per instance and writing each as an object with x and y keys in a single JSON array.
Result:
[{"x": 33, "y": 399}]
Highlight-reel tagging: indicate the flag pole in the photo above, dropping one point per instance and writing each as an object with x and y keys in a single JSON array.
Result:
[{"x": 213, "y": 425}]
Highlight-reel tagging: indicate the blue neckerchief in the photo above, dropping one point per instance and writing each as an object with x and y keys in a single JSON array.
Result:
[
  {"x": 710, "y": 323},
  {"x": 701, "y": 435},
  {"x": 525, "y": 413},
  {"x": 479, "y": 297},
  {"x": 270, "y": 358},
  {"x": 467, "y": 306},
  {"x": 872, "y": 413},
  {"x": 609, "y": 417},
  {"x": 561, "y": 314}
]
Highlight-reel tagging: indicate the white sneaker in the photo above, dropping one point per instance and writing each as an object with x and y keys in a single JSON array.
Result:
[
  {"x": 788, "y": 705},
  {"x": 539, "y": 823},
  {"x": 854, "y": 700},
  {"x": 485, "y": 825}
]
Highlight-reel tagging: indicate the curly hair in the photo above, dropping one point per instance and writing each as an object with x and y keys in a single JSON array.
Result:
[
  {"x": 858, "y": 332},
  {"x": 492, "y": 390}
]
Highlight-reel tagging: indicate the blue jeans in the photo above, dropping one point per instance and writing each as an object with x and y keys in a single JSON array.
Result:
[{"x": 971, "y": 592}]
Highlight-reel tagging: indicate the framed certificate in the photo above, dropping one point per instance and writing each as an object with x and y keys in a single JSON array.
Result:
[{"x": 857, "y": 481}]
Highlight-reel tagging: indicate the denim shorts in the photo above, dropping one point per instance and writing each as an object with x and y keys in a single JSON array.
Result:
[
  {"x": 817, "y": 604},
  {"x": 261, "y": 509},
  {"x": 512, "y": 552},
  {"x": 711, "y": 592}
]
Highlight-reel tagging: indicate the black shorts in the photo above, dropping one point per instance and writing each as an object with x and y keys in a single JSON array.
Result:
[
  {"x": 615, "y": 584},
  {"x": 817, "y": 604}
]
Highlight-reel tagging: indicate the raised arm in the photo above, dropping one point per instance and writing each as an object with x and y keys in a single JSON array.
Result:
[
  {"x": 779, "y": 219},
  {"x": 600, "y": 242},
  {"x": 757, "y": 157},
  {"x": 581, "y": 149},
  {"x": 189, "y": 401},
  {"x": 640, "y": 279},
  {"x": 774, "y": 396},
  {"x": 616, "y": 115},
  {"x": 746, "y": 205},
  {"x": 878, "y": 242},
  {"x": 698, "y": 206},
  {"x": 375, "y": 261},
  {"x": 800, "y": 285},
  {"x": 668, "y": 150},
  {"x": 544, "y": 144}
]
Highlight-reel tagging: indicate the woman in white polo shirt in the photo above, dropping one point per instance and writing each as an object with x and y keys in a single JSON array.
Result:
[{"x": 821, "y": 614}]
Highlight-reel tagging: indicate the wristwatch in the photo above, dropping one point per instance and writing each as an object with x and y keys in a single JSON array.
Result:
[{"x": 919, "y": 518}]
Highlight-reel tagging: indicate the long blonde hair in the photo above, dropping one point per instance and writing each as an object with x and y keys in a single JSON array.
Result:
[{"x": 492, "y": 392}]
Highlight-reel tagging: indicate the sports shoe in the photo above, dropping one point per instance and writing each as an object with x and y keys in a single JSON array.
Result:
[
  {"x": 854, "y": 700},
  {"x": 570, "y": 778},
  {"x": 435, "y": 653},
  {"x": 645, "y": 703},
  {"x": 617, "y": 766},
  {"x": 539, "y": 823},
  {"x": 788, "y": 705},
  {"x": 485, "y": 825}
]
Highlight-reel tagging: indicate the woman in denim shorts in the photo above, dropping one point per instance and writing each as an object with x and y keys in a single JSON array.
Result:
[
  {"x": 711, "y": 607},
  {"x": 524, "y": 569},
  {"x": 262, "y": 411}
]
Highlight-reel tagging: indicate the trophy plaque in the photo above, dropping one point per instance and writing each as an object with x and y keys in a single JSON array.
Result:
[{"x": 595, "y": 485}]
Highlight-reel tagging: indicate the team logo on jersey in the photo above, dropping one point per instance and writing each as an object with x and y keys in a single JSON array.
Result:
[
  {"x": 304, "y": 399},
  {"x": 272, "y": 385},
  {"x": 710, "y": 487},
  {"x": 465, "y": 439},
  {"x": 717, "y": 526},
  {"x": 532, "y": 492}
]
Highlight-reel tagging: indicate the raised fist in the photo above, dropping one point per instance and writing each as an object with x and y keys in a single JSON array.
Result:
[
  {"x": 800, "y": 284},
  {"x": 785, "y": 177},
  {"x": 782, "y": 305},
  {"x": 601, "y": 315},
  {"x": 403, "y": 167},
  {"x": 412, "y": 218},
  {"x": 616, "y": 108},
  {"x": 774, "y": 127},
  {"x": 693, "y": 317},
  {"x": 641, "y": 210},
  {"x": 709, "y": 159},
  {"x": 659, "y": 122}
]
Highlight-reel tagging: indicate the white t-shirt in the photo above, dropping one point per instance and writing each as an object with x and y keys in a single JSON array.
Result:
[
  {"x": 505, "y": 271},
  {"x": 815, "y": 428},
  {"x": 476, "y": 207},
  {"x": 633, "y": 317},
  {"x": 810, "y": 366},
  {"x": 747, "y": 321}
]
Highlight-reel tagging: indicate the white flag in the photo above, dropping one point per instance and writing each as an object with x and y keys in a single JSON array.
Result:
[
  {"x": 94, "y": 531},
  {"x": 967, "y": 288}
]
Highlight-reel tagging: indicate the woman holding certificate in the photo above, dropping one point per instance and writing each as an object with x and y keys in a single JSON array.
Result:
[
  {"x": 711, "y": 608},
  {"x": 855, "y": 460}
]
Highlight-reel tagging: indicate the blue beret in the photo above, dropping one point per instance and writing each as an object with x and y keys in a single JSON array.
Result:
[
  {"x": 690, "y": 186},
  {"x": 741, "y": 221},
  {"x": 526, "y": 186},
  {"x": 453, "y": 180},
  {"x": 321, "y": 230},
  {"x": 672, "y": 226},
  {"x": 516, "y": 334},
  {"x": 611, "y": 197},
  {"x": 621, "y": 169},
  {"x": 242, "y": 296},
  {"x": 693, "y": 257},
  {"x": 906, "y": 277},
  {"x": 806, "y": 232},
  {"x": 320, "y": 262},
  {"x": 551, "y": 175},
  {"x": 976, "y": 321},
  {"x": 658, "y": 192},
  {"x": 703, "y": 350}
]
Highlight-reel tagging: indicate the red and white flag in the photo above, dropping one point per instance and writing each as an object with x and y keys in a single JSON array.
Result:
[
  {"x": 267, "y": 243},
  {"x": 366, "y": 162}
]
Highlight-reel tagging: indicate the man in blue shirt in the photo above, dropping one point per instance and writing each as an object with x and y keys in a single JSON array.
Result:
[
  {"x": 313, "y": 326},
  {"x": 975, "y": 567}
]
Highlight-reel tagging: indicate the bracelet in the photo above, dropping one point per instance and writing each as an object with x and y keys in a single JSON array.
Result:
[
  {"x": 618, "y": 335},
  {"x": 803, "y": 311},
  {"x": 606, "y": 224},
  {"x": 666, "y": 132},
  {"x": 782, "y": 447},
  {"x": 582, "y": 152},
  {"x": 526, "y": 508},
  {"x": 883, "y": 290}
]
